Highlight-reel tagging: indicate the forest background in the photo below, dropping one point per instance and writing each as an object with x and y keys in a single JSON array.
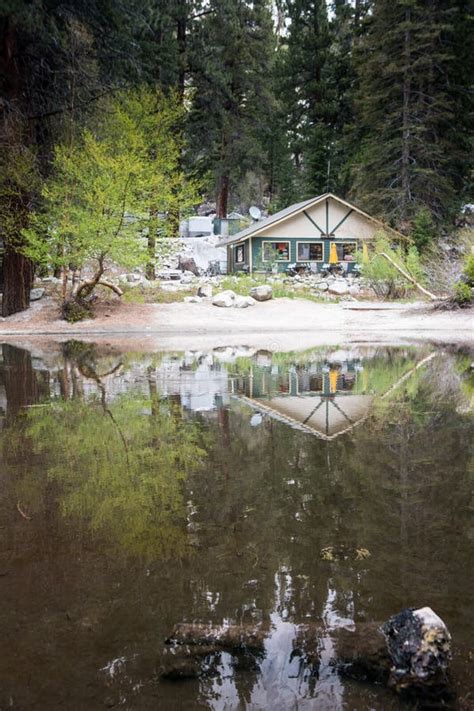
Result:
[{"x": 272, "y": 102}]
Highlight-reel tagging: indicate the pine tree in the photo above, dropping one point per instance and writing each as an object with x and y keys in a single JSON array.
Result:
[
  {"x": 304, "y": 90},
  {"x": 405, "y": 107},
  {"x": 230, "y": 71}
]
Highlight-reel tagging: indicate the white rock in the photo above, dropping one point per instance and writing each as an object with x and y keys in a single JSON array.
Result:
[
  {"x": 354, "y": 290},
  {"x": 36, "y": 294},
  {"x": 224, "y": 299},
  {"x": 192, "y": 300},
  {"x": 339, "y": 287},
  {"x": 322, "y": 286},
  {"x": 262, "y": 292},
  {"x": 242, "y": 302},
  {"x": 187, "y": 278}
]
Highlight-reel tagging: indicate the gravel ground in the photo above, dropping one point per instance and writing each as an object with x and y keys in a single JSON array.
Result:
[{"x": 276, "y": 325}]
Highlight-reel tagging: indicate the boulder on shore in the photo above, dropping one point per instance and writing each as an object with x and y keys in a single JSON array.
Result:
[
  {"x": 243, "y": 302},
  {"x": 224, "y": 299},
  {"x": 263, "y": 292},
  {"x": 339, "y": 287},
  {"x": 187, "y": 264},
  {"x": 205, "y": 291},
  {"x": 36, "y": 294}
]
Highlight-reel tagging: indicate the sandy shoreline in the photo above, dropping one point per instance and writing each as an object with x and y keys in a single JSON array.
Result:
[{"x": 276, "y": 325}]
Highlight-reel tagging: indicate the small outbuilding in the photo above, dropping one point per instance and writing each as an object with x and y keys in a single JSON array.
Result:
[{"x": 309, "y": 234}]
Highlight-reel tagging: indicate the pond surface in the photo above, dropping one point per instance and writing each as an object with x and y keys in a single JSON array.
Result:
[{"x": 138, "y": 491}]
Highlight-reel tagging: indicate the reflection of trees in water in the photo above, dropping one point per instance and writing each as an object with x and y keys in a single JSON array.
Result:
[
  {"x": 257, "y": 516},
  {"x": 392, "y": 487},
  {"x": 119, "y": 466}
]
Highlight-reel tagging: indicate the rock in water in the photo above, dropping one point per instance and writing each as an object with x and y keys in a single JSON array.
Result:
[
  {"x": 187, "y": 264},
  {"x": 420, "y": 648},
  {"x": 36, "y": 294},
  {"x": 410, "y": 652},
  {"x": 262, "y": 292}
]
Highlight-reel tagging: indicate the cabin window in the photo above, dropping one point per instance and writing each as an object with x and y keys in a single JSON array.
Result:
[
  {"x": 310, "y": 252},
  {"x": 346, "y": 251},
  {"x": 240, "y": 254},
  {"x": 276, "y": 251}
]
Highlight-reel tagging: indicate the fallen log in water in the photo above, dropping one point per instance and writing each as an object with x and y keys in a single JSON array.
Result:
[{"x": 411, "y": 651}]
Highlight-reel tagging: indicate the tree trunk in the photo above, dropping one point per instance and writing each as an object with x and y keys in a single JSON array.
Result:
[
  {"x": 223, "y": 196},
  {"x": 424, "y": 291},
  {"x": 182, "y": 49},
  {"x": 17, "y": 270},
  {"x": 406, "y": 138},
  {"x": 150, "y": 271},
  {"x": 21, "y": 385},
  {"x": 18, "y": 276}
]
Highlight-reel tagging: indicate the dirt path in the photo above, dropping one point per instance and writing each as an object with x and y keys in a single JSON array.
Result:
[{"x": 280, "y": 324}]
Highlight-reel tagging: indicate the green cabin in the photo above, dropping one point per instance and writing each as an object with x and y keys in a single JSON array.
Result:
[{"x": 301, "y": 236}]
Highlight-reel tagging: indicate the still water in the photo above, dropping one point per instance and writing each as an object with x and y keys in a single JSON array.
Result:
[{"x": 138, "y": 491}]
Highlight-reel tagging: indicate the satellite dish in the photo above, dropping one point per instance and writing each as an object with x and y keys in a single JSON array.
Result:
[{"x": 255, "y": 212}]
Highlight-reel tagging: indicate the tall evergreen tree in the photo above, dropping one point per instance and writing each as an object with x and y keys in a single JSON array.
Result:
[
  {"x": 231, "y": 62},
  {"x": 406, "y": 109},
  {"x": 305, "y": 89}
]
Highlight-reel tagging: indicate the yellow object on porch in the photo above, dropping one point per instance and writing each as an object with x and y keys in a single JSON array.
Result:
[
  {"x": 333, "y": 259},
  {"x": 365, "y": 254},
  {"x": 333, "y": 374}
]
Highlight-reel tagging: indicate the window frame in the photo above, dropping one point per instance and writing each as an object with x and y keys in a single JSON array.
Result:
[
  {"x": 342, "y": 242},
  {"x": 305, "y": 241},
  {"x": 276, "y": 241},
  {"x": 237, "y": 247}
]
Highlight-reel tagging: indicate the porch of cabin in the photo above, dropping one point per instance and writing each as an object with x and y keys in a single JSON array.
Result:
[{"x": 260, "y": 254}]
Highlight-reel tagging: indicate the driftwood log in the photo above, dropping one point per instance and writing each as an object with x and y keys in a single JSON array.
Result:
[{"x": 410, "y": 652}]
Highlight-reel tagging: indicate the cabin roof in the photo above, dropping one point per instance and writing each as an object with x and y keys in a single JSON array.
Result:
[
  {"x": 325, "y": 417},
  {"x": 257, "y": 227}
]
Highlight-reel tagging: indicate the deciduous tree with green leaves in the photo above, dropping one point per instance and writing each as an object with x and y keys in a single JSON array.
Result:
[{"x": 109, "y": 191}]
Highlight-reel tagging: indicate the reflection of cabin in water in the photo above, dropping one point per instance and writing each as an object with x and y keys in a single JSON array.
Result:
[{"x": 318, "y": 400}]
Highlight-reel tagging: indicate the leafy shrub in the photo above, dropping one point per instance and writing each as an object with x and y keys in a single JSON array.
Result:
[
  {"x": 74, "y": 311},
  {"x": 382, "y": 276},
  {"x": 462, "y": 294},
  {"x": 469, "y": 270}
]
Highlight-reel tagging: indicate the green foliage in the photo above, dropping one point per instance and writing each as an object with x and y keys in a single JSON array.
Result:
[
  {"x": 463, "y": 293},
  {"x": 231, "y": 55},
  {"x": 383, "y": 277},
  {"x": 132, "y": 469},
  {"x": 75, "y": 311},
  {"x": 242, "y": 283},
  {"x": 409, "y": 153},
  {"x": 468, "y": 270},
  {"x": 114, "y": 185},
  {"x": 153, "y": 295},
  {"x": 423, "y": 229},
  {"x": 414, "y": 266}
]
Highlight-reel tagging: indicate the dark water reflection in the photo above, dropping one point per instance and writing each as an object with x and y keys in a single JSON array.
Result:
[{"x": 139, "y": 491}]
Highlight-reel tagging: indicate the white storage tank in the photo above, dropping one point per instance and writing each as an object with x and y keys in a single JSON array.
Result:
[{"x": 199, "y": 226}]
